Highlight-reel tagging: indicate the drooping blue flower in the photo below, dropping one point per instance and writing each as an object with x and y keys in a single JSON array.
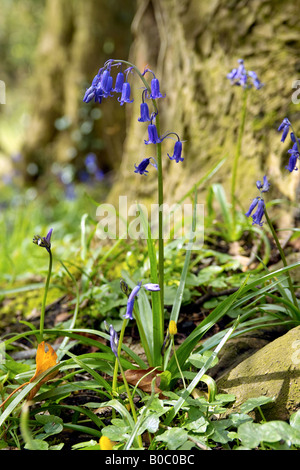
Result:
[
  {"x": 263, "y": 186},
  {"x": 106, "y": 83},
  {"x": 119, "y": 82},
  {"x": 155, "y": 89},
  {"x": 145, "y": 116},
  {"x": 153, "y": 135},
  {"x": 256, "y": 82},
  {"x": 142, "y": 167},
  {"x": 259, "y": 213},
  {"x": 252, "y": 206},
  {"x": 293, "y": 159},
  {"x": 177, "y": 152},
  {"x": 285, "y": 128},
  {"x": 130, "y": 303},
  {"x": 125, "y": 97}
]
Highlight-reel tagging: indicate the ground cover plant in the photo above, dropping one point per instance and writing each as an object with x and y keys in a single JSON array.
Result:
[{"x": 90, "y": 388}]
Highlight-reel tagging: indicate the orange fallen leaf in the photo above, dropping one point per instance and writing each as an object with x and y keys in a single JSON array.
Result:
[{"x": 44, "y": 361}]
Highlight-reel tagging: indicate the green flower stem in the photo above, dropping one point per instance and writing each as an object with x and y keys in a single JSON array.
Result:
[
  {"x": 160, "y": 228},
  {"x": 282, "y": 257},
  {"x": 176, "y": 359},
  {"x": 114, "y": 382},
  {"x": 238, "y": 153},
  {"x": 130, "y": 400},
  {"x": 42, "y": 318}
]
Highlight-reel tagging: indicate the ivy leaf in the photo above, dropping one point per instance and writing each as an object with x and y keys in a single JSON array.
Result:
[
  {"x": 174, "y": 438},
  {"x": 253, "y": 403}
]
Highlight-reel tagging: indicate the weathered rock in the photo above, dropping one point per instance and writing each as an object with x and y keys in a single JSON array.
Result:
[{"x": 273, "y": 371}]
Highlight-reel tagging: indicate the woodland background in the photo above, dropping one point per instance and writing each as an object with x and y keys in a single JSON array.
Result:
[{"x": 51, "y": 49}]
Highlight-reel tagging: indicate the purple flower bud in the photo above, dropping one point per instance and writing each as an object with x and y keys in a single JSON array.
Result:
[
  {"x": 119, "y": 82},
  {"x": 114, "y": 340},
  {"x": 44, "y": 242},
  {"x": 130, "y": 302},
  {"x": 252, "y": 206},
  {"x": 285, "y": 128},
  {"x": 257, "y": 216},
  {"x": 89, "y": 94},
  {"x": 151, "y": 287},
  {"x": 134, "y": 293},
  {"x": 263, "y": 187}
]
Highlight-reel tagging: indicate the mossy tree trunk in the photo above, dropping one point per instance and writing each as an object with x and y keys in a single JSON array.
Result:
[{"x": 192, "y": 45}]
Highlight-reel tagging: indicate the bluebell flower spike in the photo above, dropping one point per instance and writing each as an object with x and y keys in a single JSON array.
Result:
[{"x": 239, "y": 76}]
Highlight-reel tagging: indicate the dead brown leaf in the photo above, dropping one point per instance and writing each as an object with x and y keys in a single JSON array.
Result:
[{"x": 144, "y": 377}]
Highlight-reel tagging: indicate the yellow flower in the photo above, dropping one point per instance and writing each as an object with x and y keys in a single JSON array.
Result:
[
  {"x": 105, "y": 443},
  {"x": 172, "y": 328}
]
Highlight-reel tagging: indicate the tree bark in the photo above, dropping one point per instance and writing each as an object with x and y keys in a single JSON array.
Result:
[{"x": 192, "y": 45}]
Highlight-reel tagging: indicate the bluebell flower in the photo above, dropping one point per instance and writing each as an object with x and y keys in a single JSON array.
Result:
[
  {"x": 256, "y": 82},
  {"x": 155, "y": 89},
  {"x": 145, "y": 116},
  {"x": 285, "y": 128},
  {"x": 177, "y": 152},
  {"x": 258, "y": 215},
  {"x": 130, "y": 303},
  {"x": 89, "y": 94},
  {"x": 119, "y": 82},
  {"x": 153, "y": 135},
  {"x": 44, "y": 242},
  {"x": 293, "y": 159},
  {"x": 125, "y": 97},
  {"x": 263, "y": 186},
  {"x": 106, "y": 84},
  {"x": 252, "y": 206},
  {"x": 91, "y": 162},
  {"x": 142, "y": 167}
]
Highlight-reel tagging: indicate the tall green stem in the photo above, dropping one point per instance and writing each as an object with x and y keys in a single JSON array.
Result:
[
  {"x": 160, "y": 226},
  {"x": 238, "y": 153},
  {"x": 282, "y": 255},
  {"x": 42, "y": 318}
]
